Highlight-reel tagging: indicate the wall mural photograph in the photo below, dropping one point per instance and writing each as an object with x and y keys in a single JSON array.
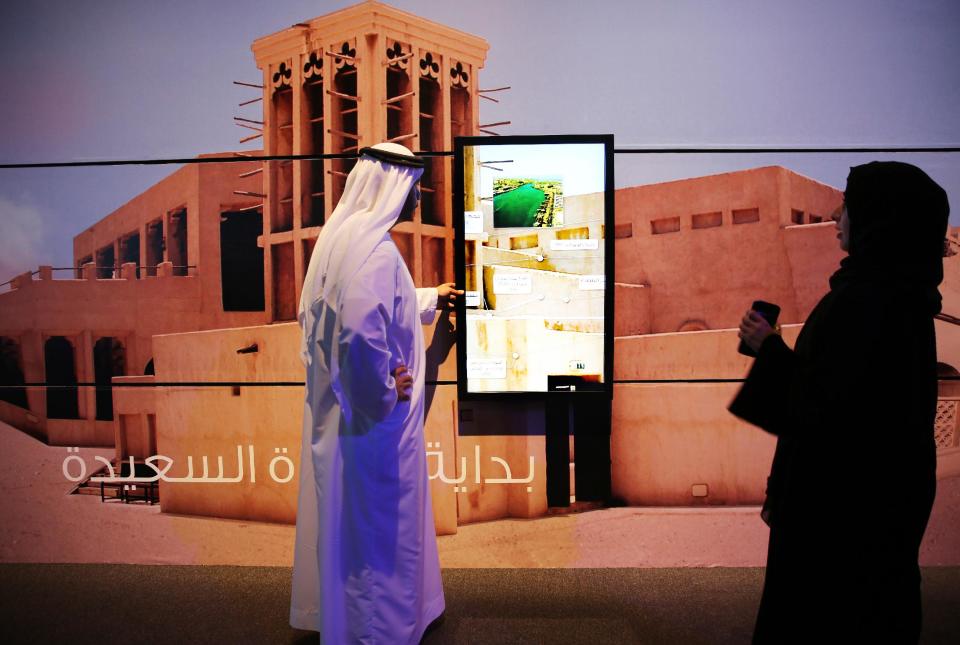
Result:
[{"x": 417, "y": 322}]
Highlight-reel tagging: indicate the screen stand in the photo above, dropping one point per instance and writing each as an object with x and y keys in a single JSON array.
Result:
[
  {"x": 558, "y": 427},
  {"x": 587, "y": 419}
]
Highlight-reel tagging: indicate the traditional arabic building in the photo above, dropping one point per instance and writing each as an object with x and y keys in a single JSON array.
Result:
[
  {"x": 334, "y": 84},
  {"x": 197, "y": 278},
  {"x": 180, "y": 256}
]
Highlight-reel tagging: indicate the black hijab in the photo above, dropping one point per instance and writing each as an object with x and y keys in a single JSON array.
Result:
[{"x": 898, "y": 225}]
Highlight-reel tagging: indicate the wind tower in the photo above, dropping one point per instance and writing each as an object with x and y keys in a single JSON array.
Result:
[{"x": 353, "y": 78}]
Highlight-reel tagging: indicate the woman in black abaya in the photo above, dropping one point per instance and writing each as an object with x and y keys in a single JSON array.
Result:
[{"x": 853, "y": 407}]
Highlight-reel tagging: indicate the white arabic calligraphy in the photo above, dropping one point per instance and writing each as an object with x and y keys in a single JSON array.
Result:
[
  {"x": 438, "y": 473},
  {"x": 161, "y": 465}
]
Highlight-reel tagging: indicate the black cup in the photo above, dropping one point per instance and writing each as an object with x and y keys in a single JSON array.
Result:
[{"x": 770, "y": 312}]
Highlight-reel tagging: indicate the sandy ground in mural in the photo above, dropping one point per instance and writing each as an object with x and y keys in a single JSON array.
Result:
[{"x": 40, "y": 522}]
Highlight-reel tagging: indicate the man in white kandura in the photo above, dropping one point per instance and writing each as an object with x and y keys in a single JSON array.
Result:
[{"x": 365, "y": 561}]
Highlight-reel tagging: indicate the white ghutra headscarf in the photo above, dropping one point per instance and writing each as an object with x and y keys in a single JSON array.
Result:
[{"x": 373, "y": 197}]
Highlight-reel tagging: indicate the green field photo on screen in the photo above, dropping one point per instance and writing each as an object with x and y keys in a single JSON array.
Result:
[{"x": 519, "y": 203}]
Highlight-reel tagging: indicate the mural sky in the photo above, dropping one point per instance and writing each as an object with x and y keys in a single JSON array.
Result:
[{"x": 113, "y": 79}]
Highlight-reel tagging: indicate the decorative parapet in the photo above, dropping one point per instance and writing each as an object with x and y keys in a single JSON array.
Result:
[
  {"x": 430, "y": 66},
  {"x": 945, "y": 427},
  {"x": 22, "y": 280},
  {"x": 398, "y": 55},
  {"x": 346, "y": 57},
  {"x": 313, "y": 66},
  {"x": 281, "y": 75},
  {"x": 460, "y": 74}
]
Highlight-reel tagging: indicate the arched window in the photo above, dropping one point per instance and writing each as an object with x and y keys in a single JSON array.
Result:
[
  {"x": 11, "y": 373},
  {"x": 108, "y": 361},
  {"x": 61, "y": 377}
]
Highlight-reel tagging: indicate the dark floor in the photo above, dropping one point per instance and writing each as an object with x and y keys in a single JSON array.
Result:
[{"x": 82, "y": 603}]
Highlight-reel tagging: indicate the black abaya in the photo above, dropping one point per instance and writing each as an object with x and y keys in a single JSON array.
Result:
[{"x": 853, "y": 407}]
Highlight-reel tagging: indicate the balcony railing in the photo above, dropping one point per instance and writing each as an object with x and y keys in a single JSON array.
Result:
[{"x": 90, "y": 271}]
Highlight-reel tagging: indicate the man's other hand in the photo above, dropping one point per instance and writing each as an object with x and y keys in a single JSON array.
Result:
[{"x": 404, "y": 382}]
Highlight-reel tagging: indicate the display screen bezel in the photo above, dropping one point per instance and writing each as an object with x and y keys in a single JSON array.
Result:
[{"x": 458, "y": 211}]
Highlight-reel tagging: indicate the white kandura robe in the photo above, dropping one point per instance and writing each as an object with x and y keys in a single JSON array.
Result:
[{"x": 366, "y": 568}]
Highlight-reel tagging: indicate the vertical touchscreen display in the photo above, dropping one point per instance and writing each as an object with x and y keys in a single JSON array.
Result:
[{"x": 533, "y": 218}]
